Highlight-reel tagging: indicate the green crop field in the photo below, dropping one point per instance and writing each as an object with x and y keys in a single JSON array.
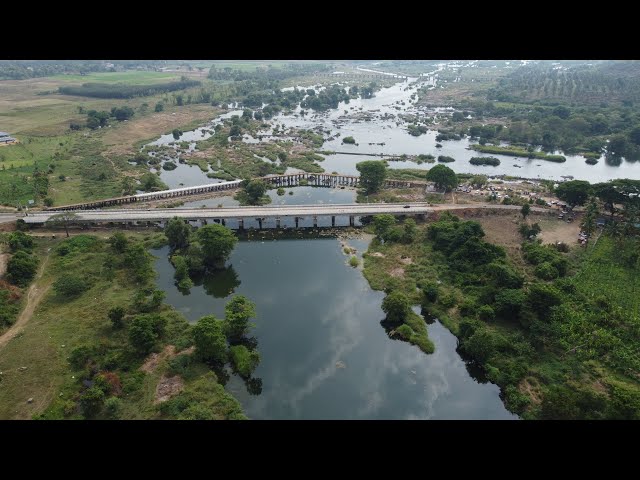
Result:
[
  {"x": 603, "y": 273},
  {"x": 130, "y": 78}
]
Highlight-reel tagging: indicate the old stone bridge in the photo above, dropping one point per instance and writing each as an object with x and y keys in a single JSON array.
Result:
[{"x": 292, "y": 180}]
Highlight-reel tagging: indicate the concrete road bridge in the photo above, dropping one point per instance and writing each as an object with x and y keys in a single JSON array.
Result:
[
  {"x": 291, "y": 180},
  {"x": 236, "y": 216}
]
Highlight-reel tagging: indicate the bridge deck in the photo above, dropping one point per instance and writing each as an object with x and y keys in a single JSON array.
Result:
[{"x": 163, "y": 214}]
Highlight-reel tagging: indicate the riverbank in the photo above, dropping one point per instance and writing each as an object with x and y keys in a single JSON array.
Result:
[
  {"x": 85, "y": 367},
  {"x": 527, "y": 334}
]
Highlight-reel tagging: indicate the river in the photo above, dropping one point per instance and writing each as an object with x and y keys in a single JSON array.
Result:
[
  {"x": 376, "y": 121},
  {"x": 324, "y": 352}
]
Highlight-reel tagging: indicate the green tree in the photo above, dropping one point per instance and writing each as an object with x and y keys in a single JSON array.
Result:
[
  {"x": 64, "y": 218},
  {"x": 479, "y": 180},
  {"x": 116, "y": 315},
  {"x": 255, "y": 189},
  {"x": 20, "y": 241},
  {"x": 119, "y": 242},
  {"x": 217, "y": 243},
  {"x": 144, "y": 331},
  {"x": 210, "y": 341},
  {"x": 138, "y": 260},
  {"x": 525, "y": 210},
  {"x": 372, "y": 174},
  {"x": 574, "y": 192},
  {"x": 70, "y": 285},
  {"x": 238, "y": 311},
  {"x": 244, "y": 360},
  {"x": 396, "y": 306},
  {"x": 382, "y": 223},
  {"x": 508, "y": 303},
  {"x": 159, "y": 107},
  {"x": 542, "y": 297},
  {"x": 178, "y": 233},
  {"x": 443, "y": 177},
  {"x": 91, "y": 402},
  {"x": 410, "y": 231},
  {"x": 21, "y": 268}
]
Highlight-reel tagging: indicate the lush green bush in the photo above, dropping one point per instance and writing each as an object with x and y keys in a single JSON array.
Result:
[
  {"x": 396, "y": 306},
  {"x": 144, "y": 331},
  {"x": 546, "y": 271},
  {"x": 21, "y": 268},
  {"x": 244, "y": 360},
  {"x": 70, "y": 285},
  {"x": 20, "y": 241}
]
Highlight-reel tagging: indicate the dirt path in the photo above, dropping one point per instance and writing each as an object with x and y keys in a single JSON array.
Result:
[
  {"x": 34, "y": 296},
  {"x": 4, "y": 257}
]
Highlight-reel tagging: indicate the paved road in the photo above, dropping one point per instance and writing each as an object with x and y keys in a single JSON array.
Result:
[{"x": 159, "y": 214}]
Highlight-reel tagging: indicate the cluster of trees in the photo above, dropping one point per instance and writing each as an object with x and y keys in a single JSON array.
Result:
[
  {"x": 23, "y": 264},
  {"x": 195, "y": 254},
  {"x": 21, "y": 69},
  {"x": 123, "y": 90},
  {"x": 211, "y": 336},
  {"x": 97, "y": 119},
  {"x": 327, "y": 99},
  {"x": 493, "y": 161},
  {"x": 386, "y": 229},
  {"x": 417, "y": 130},
  {"x": 621, "y": 192}
]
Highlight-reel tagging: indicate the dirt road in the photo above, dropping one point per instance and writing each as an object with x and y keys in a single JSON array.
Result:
[{"x": 35, "y": 295}]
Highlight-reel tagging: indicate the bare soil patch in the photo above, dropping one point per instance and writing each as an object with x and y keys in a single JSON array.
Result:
[
  {"x": 531, "y": 388},
  {"x": 406, "y": 261},
  {"x": 397, "y": 272},
  {"x": 168, "y": 387},
  {"x": 152, "y": 361},
  {"x": 4, "y": 258}
]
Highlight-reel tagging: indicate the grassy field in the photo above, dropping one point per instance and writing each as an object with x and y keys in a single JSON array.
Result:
[
  {"x": 130, "y": 78},
  {"x": 59, "y": 325}
]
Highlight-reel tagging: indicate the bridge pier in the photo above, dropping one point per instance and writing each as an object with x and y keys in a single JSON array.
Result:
[
  {"x": 296, "y": 219},
  {"x": 259, "y": 223},
  {"x": 333, "y": 220},
  {"x": 277, "y": 222},
  {"x": 224, "y": 224},
  {"x": 241, "y": 224},
  {"x": 315, "y": 221},
  {"x": 351, "y": 220}
]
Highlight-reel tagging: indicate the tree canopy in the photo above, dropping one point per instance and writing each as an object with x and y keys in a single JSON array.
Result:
[
  {"x": 396, "y": 306},
  {"x": 443, "y": 177},
  {"x": 372, "y": 174},
  {"x": 178, "y": 232},
  {"x": 210, "y": 341},
  {"x": 217, "y": 243},
  {"x": 574, "y": 192}
]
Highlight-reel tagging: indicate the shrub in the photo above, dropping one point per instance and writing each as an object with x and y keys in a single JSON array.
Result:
[
  {"x": 353, "y": 261},
  {"x": 546, "y": 271},
  {"x": 405, "y": 331},
  {"x": 430, "y": 290},
  {"x": 486, "y": 313},
  {"x": 69, "y": 285},
  {"x": 21, "y": 268},
  {"x": 349, "y": 140},
  {"x": 113, "y": 405},
  {"x": 244, "y": 360}
]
